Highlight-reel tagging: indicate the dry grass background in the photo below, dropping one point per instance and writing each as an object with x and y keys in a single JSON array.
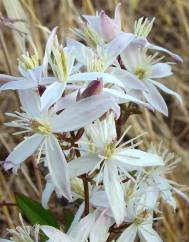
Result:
[{"x": 171, "y": 30}]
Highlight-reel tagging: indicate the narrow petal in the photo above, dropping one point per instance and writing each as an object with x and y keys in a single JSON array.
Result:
[
  {"x": 138, "y": 158},
  {"x": 54, "y": 234},
  {"x": 7, "y": 78},
  {"x": 83, "y": 112},
  {"x": 129, "y": 80},
  {"x": 160, "y": 70},
  {"x": 47, "y": 192},
  {"x": 117, "y": 17},
  {"x": 19, "y": 85},
  {"x": 113, "y": 186},
  {"x": 52, "y": 94},
  {"x": 100, "y": 230},
  {"x": 158, "y": 48},
  {"x": 99, "y": 199},
  {"x": 82, "y": 165},
  {"x": 167, "y": 90},
  {"x": 57, "y": 166},
  {"x": 82, "y": 230},
  {"x": 30, "y": 102},
  {"x": 155, "y": 99},
  {"x": 148, "y": 234},
  {"x": 129, "y": 234},
  {"x": 23, "y": 150}
]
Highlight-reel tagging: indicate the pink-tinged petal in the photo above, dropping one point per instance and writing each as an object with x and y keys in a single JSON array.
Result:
[
  {"x": 148, "y": 234},
  {"x": 129, "y": 234},
  {"x": 117, "y": 46},
  {"x": 94, "y": 21},
  {"x": 22, "y": 151},
  {"x": 158, "y": 48},
  {"x": 58, "y": 167},
  {"x": 82, "y": 113},
  {"x": 82, "y": 165},
  {"x": 81, "y": 231},
  {"x": 91, "y": 76},
  {"x": 129, "y": 80},
  {"x": 19, "y": 85},
  {"x": 167, "y": 90},
  {"x": 160, "y": 70},
  {"x": 48, "y": 49},
  {"x": 55, "y": 235},
  {"x": 52, "y": 94},
  {"x": 113, "y": 186},
  {"x": 155, "y": 99},
  {"x": 30, "y": 102},
  {"x": 100, "y": 230}
]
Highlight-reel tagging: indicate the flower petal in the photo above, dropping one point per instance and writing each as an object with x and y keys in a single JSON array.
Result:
[
  {"x": 47, "y": 192},
  {"x": 167, "y": 90},
  {"x": 83, "y": 112},
  {"x": 19, "y": 85},
  {"x": 155, "y": 99},
  {"x": 22, "y": 151},
  {"x": 30, "y": 102},
  {"x": 58, "y": 167},
  {"x": 148, "y": 234},
  {"x": 113, "y": 186},
  {"x": 82, "y": 165},
  {"x": 54, "y": 234},
  {"x": 129, "y": 234},
  {"x": 160, "y": 70},
  {"x": 52, "y": 94}
]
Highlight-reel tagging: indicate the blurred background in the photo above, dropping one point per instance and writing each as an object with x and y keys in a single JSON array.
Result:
[{"x": 171, "y": 30}]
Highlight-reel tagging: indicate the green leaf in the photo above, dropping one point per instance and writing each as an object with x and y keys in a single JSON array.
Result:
[
  {"x": 68, "y": 215},
  {"x": 35, "y": 213}
]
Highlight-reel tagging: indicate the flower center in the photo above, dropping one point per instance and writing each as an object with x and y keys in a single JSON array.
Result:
[
  {"x": 109, "y": 150},
  {"x": 141, "y": 218},
  {"x": 140, "y": 73},
  {"x": 40, "y": 127},
  {"x": 29, "y": 62}
]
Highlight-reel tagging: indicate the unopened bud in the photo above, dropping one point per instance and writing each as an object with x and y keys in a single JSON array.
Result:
[{"x": 94, "y": 88}]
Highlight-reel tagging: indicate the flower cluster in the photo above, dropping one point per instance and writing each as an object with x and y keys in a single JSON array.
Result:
[{"x": 70, "y": 107}]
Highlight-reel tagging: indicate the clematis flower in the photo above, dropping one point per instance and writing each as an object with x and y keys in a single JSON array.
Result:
[
  {"x": 45, "y": 127},
  {"x": 105, "y": 26},
  {"x": 103, "y": 155},
  {"x": 95, "y": 227},
  {"x": 145, "y": 69},
  {"x": 23, "y": 233},
  {"x": 30, "y": 69}
]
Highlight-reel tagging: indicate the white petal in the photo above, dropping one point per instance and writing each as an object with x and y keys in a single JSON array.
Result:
[
  {"x": 138, "y": 158},
  {"x": 129, "y": 80},
  {"x": 160, "y": 70},
  {"x": 48, "y": 49},
  {"x": 82, "y": 165},
  {"x": 7, "y": 78},
  {"x": 57, "y": 166},
  {"x": 148, "y": 234},
  {"x": 47, "y": 192},
  {"x": 129, "y": 234},
  {"x": 99, "y": 199},
  {"x": 155, "y": 99},
  {"x": 167, "y": 90},
  {"x": 55, "y": 235},
  {"x": 19, "y": 85},
  {"x": 30, "y": 101},
  {"x": 83, "y": 112},
  {"x": 52, "y": 94},
  {"x": 83, "y": 228},
  {"x": 113, "y": 186},
  {"x": 100, "y": 230},
  {"x": 158, "y": 48},
  {"x": 23, "y": 150}
]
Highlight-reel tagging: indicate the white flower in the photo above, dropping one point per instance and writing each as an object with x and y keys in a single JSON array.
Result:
[
  {"x": 104, "y": 154},
  {"x": 30, "y": 69},
  {"x": 23, "y": 233},
  {"x": 45, "y": 127},
  {"x": 145, "y": 69},
  {"x": 94, "y": 226}
]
